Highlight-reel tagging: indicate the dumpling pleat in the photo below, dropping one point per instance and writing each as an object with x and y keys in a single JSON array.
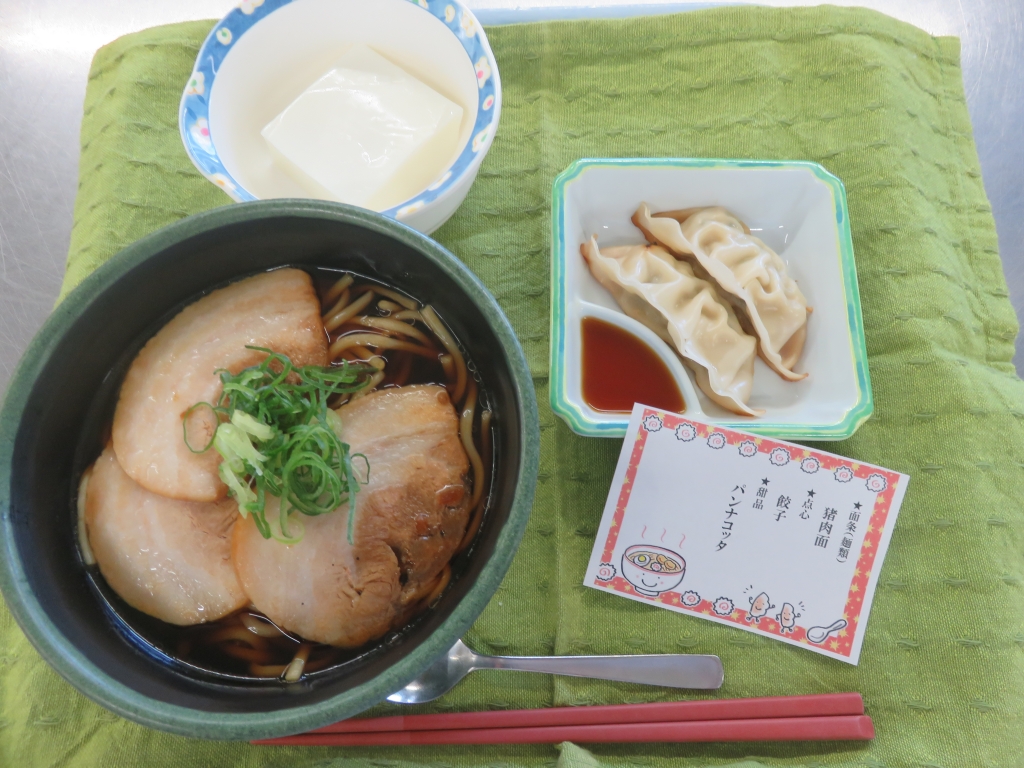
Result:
[
  {"x": 665, "y": 295},
  {"x": 752, "y": 276}
]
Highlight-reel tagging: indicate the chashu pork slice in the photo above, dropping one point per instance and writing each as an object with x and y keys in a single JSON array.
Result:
[
  {"x": 276, "y": 310},
  {"x": 410, "y": 518},
  {"x": 168, "y": 558}
]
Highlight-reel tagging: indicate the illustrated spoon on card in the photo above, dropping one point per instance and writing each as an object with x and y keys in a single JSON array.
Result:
[
  {"x": 818, "y": 634},
  {"x": 671, "y": 670}
]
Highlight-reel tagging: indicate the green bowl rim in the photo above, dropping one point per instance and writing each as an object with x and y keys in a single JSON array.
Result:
[
  {"x": 74, "y": 667},
  {"x": 574, "y": 416}
]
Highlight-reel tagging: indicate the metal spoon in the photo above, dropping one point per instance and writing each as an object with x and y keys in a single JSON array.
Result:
[{"x": 670, "y": 670}]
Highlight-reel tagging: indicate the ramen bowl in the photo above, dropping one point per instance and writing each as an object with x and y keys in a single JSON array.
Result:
[
  {"x": 64, "y": 390},
  {"x": 264, "y": 53},
  {"x": 652, "y": 570}
]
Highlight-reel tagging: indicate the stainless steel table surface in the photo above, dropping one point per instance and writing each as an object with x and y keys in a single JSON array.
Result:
[{"x": 46, "y": 47}]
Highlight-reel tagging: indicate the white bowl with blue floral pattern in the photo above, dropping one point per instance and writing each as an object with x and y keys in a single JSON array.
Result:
[{"x": 260, "y": 56}]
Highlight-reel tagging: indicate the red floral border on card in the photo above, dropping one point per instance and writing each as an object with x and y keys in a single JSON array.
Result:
[{"x": 841, "y": 645}]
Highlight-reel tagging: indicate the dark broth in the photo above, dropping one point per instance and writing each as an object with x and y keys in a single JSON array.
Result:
[
  {"x": 620, "y": 370},
  {"x": 209, "y": 648}
]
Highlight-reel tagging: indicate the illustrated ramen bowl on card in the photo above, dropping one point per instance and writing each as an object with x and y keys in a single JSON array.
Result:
[
  {"x": 56, "y": 420},
  {"x": 264, "y": 53},
  {"x": 795, "y": 209},
  {"x": 652, "y": 570}
]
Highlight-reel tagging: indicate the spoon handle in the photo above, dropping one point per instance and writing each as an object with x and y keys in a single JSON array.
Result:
[{"x": 669, "y": 670}]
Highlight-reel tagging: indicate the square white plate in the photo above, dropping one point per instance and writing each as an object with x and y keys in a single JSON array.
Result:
[{"x": 797, "y": 208}]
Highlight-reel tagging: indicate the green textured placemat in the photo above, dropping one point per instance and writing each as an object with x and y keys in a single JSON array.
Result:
[{"x": 881, "y": 105}]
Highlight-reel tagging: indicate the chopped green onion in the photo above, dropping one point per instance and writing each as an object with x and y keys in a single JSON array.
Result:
[
  {"x": 248, "y": 424},
  {"x": 184, "y": 426},
  {"x": 237, "y": 449},
  {"x": 334, "y": 422},
  {"x": 278, "y": 436},
  {"x": 239, "y": 488}
]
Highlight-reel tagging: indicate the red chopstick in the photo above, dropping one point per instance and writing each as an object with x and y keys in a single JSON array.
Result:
[
  {"x": 818, "y": 705},
  {"x": 833, "y": 728}
]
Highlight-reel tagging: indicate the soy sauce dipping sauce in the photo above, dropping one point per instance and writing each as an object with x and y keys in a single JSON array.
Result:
[{"x": 620, "y": 370}]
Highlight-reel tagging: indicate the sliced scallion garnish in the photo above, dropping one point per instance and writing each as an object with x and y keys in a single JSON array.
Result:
[{"x": 277, "y": 436}]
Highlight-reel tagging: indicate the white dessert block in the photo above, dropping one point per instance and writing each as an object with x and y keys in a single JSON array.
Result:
[{"x": 366, "y": 133}]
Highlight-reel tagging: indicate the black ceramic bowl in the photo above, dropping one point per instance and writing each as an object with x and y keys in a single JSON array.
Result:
[{"x": 50, "y": 430}]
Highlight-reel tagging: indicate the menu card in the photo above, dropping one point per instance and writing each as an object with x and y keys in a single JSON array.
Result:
[{"x": 760, "y": 534}]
